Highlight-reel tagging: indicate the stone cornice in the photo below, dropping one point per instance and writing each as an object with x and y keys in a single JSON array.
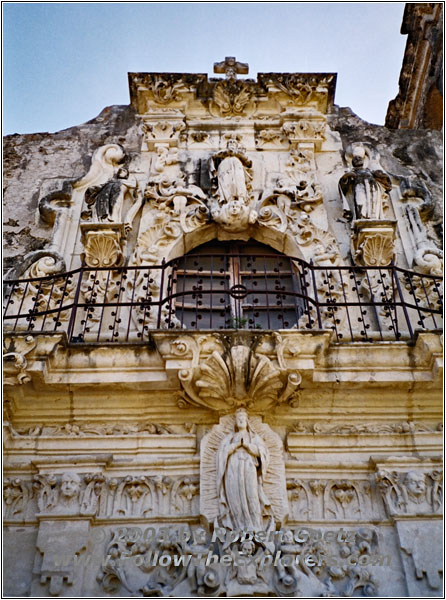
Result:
[{"x": 166, "y": 92}]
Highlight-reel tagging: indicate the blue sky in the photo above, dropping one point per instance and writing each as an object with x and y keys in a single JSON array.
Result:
[{"x": 64, "y": 62}]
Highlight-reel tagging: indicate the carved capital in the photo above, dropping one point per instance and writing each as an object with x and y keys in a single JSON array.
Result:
[
  {"x": 162, "y": 130},
  {"x": 305, "y": 130}
]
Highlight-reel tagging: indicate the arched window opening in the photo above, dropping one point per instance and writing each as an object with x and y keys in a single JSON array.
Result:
[{"x": 240, "y": 285}]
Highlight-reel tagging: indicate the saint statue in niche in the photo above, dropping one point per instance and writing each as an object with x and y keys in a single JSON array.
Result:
[
  {"x": 364, "y": 192},
  {"x": 230, "y": 179},
  {"x": 242, "y": 461},
  {"x": 108, "y": 199},
  {"x": 228, "y": 168}
]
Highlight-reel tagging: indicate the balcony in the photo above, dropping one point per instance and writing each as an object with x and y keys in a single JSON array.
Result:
[{"x": 220, "y": 292}]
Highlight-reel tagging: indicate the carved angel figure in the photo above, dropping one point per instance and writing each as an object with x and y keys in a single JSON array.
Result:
[
  {"x": 364, "y": 192},
  {"x": 242, "y": 461}
]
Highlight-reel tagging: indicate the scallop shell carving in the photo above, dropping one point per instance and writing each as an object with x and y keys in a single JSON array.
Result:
[
  {"x": 102, "y": 251},
  {"x": 377, "y": 251}
]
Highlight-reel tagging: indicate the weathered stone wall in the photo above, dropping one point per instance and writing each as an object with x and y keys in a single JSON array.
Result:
[
  {"x": 409, "y": 153},
  {"x": 124, "y": 417},
  {"x": 35, "y": 164},
  {"x": 39, "y": 163},
  {"x": 419, "y": 103}
]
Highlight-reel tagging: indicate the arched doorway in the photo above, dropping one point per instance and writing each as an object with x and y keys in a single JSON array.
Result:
[{"x": 240, "y": 285}]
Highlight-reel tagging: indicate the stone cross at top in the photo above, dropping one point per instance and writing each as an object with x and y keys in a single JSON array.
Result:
[{"x": 231, "y": 67}]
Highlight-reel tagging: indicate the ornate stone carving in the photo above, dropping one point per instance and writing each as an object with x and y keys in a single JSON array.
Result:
[
  {"x": 200, "y": 137},
  {"x": 16, "y": 495},
  {"x": 373, "y": 242},
  {"x": 150, "y": 570},
  {"x": 298, "y": 499},
  {"x": 104, "y": 162},
  {"x": 232, "y": 98},
  {"x": 269, "y": 138},
  {"x": 351, "y": 580},
  {"x": 242, "y": 476},
  {"x": 103, "y": 246},
  {"x": 287, "y": 572},
  {"x": 294, "y": 190},
  {"x": 54, "y": 495},
  {"x": 14, "y": 359},
  {"x": 231, "y": 176},
  {"x": 317, "y": 499},
  {"x": 106, "y": 201},
  {"x": 164, "y": 131},
  {"x": 365, "y": 197},
  {"x": 94, "y": 494},
  {"x": 342, "y": 500},
  {"x": 101, "y": 429},
  {"x": 427, "y": 257},
  {"x": 166, "y": 90},
  {"x": 406, "y": 427},
  {"x": 364, "y": 192},
  {"x": 302, "y": 89},
  {"x": 166, "y": 563},
  {"x": 304, "y": 130},
  {"x": 185, "y": 493},
  {"x": 412, "y": 492},
  {"x": 237, "y": 375},
  {"x": 134, "y": 496}
]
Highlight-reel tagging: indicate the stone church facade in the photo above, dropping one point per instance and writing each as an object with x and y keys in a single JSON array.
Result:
[{"x": 222, "y": 350}]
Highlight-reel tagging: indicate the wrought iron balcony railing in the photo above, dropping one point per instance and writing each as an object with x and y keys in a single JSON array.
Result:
[{"x": 267, "y": 292}]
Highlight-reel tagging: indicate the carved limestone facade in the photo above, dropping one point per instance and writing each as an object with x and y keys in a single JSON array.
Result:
[{"x": 223, "y": 372}]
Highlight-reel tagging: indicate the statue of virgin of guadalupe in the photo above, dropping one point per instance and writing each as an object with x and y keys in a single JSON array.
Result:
[
  {"x": 242, "y": 461},
  {"x": 229, "y": 169}
]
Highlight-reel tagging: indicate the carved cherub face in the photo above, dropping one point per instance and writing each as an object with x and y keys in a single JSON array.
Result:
[
  {"x": 233, "y": 216},
  {"x": 235, "y": 207},
  {"x": 247, "y": 548},
  {"x": 70, "y": 485},
  {"x": 415, "y": 483}
]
